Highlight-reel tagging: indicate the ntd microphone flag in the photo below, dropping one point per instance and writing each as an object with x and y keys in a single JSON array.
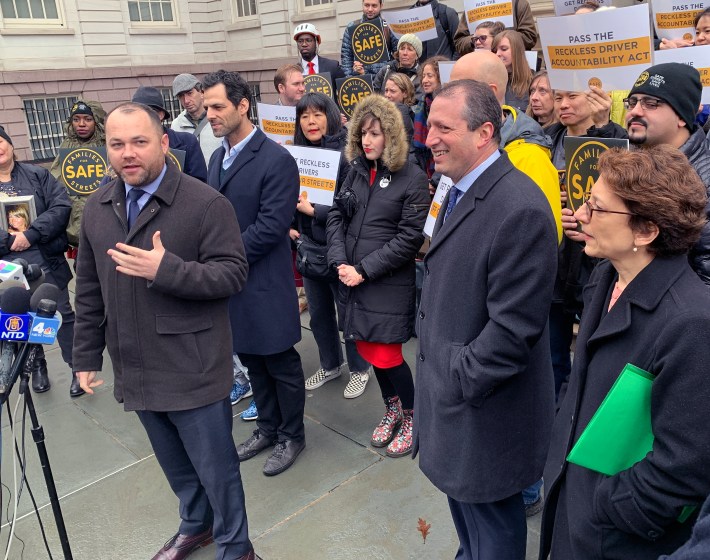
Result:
[{"x": 15, "y": 326}]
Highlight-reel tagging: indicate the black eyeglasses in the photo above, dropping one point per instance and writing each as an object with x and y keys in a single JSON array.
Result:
[
  {"x": 647, "y": 103},
  {"x": 480, "y": 38},
  {"x": 591, "y": 209}
]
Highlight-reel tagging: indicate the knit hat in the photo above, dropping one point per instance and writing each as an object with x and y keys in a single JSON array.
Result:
[
  {"x": 675, "y": 83},
  {"x": 414, "y": 41},
  {"x": 183, "y": 83},
  {"x": 80, "y": 108},
  {"x": 5, "y": 135},
  {"x": 146, "y": 95}
]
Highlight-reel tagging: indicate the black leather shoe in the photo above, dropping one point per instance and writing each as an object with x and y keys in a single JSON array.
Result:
[
  {"x": 75, "y": 389},
  {"x": 181, "y": 546},
  {"x": 256, "y": 443},
  {"x": 40, "y": 378},
  {"x": 283, "y": 456}
]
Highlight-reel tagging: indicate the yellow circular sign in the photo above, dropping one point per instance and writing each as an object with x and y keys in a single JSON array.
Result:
[
  {"x": 596, "y": 82},
  {"x": 82, "y": 170},
  {"x": 582, "y": 172},
  {"x": 351, "y": 92},
  {"x": 318, "y": 84},
  {"x": 368, "y": 43},
  {"x": 173, "y": 159}
]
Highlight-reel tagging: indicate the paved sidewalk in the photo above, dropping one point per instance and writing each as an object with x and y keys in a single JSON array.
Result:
[{"x": 342, "y": 500}]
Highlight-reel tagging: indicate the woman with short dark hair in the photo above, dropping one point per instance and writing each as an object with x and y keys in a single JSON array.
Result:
[{"x": 644, "y": 306}]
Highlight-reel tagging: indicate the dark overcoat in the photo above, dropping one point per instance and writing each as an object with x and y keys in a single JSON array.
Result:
[
  {"x": 661, "y": 323},
  {"x": 169, "y": 340},
  {"x": 262, "y": 184},
  {"x": 484, "y": 398}
]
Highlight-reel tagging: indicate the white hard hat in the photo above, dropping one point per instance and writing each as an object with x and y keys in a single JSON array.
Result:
[{"x": 306, "y": 28}]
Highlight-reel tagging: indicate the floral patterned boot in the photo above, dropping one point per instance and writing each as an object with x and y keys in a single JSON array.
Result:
[
  {"x": 402, "y": 443},
  {"x": 385, "y": 430}
]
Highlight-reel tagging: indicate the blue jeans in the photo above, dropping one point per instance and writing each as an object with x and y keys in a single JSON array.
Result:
[
  {"x": 532, "y": 493},
  {"x": 321, "y": 297}
]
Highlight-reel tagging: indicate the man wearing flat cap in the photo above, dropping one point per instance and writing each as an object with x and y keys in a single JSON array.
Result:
[{"x": 188, "y": 89}]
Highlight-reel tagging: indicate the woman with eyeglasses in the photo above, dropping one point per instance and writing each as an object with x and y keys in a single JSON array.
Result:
[{"x": 643, "y": 306}]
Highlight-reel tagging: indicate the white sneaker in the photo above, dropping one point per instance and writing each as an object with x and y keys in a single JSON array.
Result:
[
  {"x": 321, "y": 377},
  {"x": 356, "y": 385}
]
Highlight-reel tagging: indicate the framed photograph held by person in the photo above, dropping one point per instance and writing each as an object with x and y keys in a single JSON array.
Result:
[{"x": 17, "y": 213}]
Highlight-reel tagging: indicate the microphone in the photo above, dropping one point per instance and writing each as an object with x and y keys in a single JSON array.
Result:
[
  {"x": 45, "y": 319},
  {"x": 14, "y": 325},
  {"x": 45, "y": 291},
  {"x": 12, "y": 271}
]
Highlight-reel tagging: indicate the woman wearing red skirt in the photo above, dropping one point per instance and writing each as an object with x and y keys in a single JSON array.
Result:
[{"x": 374, "y": 233}]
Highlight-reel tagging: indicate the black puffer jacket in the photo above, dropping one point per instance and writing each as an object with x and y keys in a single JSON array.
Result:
[
  {"x": 383, "y": 233},
  {"x": 47, "y": 233}
]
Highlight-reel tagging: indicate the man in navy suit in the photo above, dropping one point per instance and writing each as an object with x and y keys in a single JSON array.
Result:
[
  {"x": 260, "y": 178},
  {"x": 308, "y": 40},
  {"x": 485, "y": 395}
]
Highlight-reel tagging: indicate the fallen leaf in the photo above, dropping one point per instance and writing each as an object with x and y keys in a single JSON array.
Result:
[{"x": 423, "y": 527}]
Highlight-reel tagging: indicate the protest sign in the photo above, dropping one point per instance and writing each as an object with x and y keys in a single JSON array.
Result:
[
  {"x": 352, "y": 90},
  {"x": 697, "y": 57},
  {"x": 531, "y": 58},
  {"x": 445, "y": 68},
  {"x": 83, "y": 168},
  {"x": 319, "y": 83},
  {"x": 478, "y": 11},
  {"x": 604, "y": 49},
  {"x": 177, "y": 157},
  {"x": 568, "y": 7},
  {"x": 419, "y": 21},
  {"x": 318, "y": 169},
  {"x": 369, "y": 44},
  {"x": 582, "y": 155},
  {"x": 278, "y": 122},
  {"x": 443, "y": 188},
  {"x": 673, "y": 19}
]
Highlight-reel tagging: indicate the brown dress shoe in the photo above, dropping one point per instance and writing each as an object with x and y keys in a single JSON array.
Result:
[{"x": 181, "y": 546}]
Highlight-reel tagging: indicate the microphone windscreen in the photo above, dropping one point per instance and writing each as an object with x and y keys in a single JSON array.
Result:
[
  {"x": 37, "y": 282},
  {"x": 15, "y": 301},
  {"x": 45, "y": 291},
  {"x": 23, "y": 263}
]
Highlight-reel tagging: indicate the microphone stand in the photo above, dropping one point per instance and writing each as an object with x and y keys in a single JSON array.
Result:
[{"x": 22, "y": 367}]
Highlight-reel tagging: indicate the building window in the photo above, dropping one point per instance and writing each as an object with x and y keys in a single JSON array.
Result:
[
  {"x": 151, "y": 11},
  {"x": 245, "y": 8},
  {"x": 172, "y": 104},
  {"x": 29, "y": 9},
  {"x": 255, "y": 98},
  {"x": 315, "y": 3},
  {"x": 46, "y": 119}
]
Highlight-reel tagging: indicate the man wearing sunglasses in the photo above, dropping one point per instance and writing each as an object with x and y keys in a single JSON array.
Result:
[{"x": 661, "y": 109}]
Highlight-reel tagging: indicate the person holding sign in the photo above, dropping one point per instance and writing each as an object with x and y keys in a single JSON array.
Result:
[
  {"x": 42, "y": 243},
  {"x": 385, "y": 40},
  {"x": 409, "y": 51},
  {"x": 702, "y": 28},
  {"x": 446, "y": 20},
  {"x": 375, "y": 229},
  {"x": 508, "y": 45},
  {"x": 482, "y": 38},
  {"x": 524, "y": 24},
  {"x": 643, "y": 306},
  {"x": 318, "y": 125}
]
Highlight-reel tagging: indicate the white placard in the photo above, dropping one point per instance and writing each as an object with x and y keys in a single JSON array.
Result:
[
  {"x": 318, "y": 169},
  {"x": 445, "y": 68},
  {"x": 531, "y": 57},
  {"x": 443, "y": 188},
  {"x": 697, "y": 57},
  {"x": 278, "y": 122},
  {"x": 673, "y": 19},
  {"x": 419, "y": 21},
  {"x": 608, "y": 49},
  {"x": 478, "y": 11},
  {"x": 568, "y": 7}
]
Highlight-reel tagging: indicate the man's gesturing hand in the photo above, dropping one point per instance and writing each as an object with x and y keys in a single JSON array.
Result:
[
  {"x": 87, "y": 380},
  {"x": 138, "y": 262}
]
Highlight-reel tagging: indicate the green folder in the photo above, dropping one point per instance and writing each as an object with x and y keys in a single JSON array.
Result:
[{"x": 619, "y": 434}]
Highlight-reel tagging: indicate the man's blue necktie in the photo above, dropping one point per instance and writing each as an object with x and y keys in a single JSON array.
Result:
[
  {"x": 134, "y": 196},
  {"x": 454, "y": 195}
]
